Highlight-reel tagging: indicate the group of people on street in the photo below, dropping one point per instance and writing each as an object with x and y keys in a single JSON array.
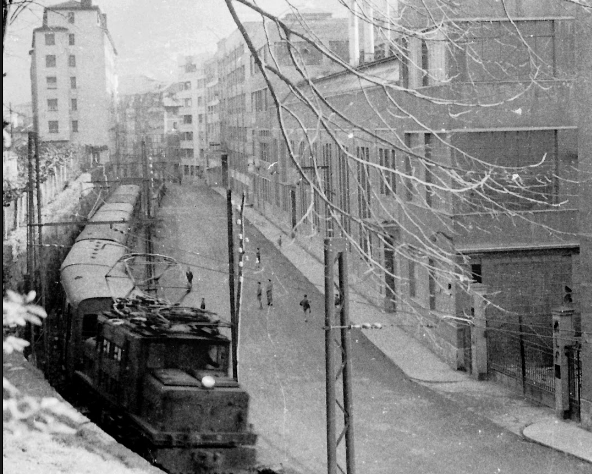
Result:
[
  {"x": 304, "y": 303},
  {"x": 268, "y": 293}
]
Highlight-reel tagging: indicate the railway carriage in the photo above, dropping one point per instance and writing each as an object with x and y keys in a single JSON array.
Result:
[{"x": 91, "y": 275}]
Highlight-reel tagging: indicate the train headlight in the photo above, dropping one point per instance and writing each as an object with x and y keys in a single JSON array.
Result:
[{"x": 208, "y": 381}]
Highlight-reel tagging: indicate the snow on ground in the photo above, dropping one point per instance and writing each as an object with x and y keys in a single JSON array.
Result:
[{"x": 89, "y": 451}]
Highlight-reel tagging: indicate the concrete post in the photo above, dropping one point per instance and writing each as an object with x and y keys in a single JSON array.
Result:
[
  {"x": 478, "y": 333},
  {"x": 562, "y": 337}
]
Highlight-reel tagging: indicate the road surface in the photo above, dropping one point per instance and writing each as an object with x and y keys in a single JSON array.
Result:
[{"x": 400, "y": 426}]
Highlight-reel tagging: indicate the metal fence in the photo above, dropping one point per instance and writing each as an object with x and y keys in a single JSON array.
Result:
[{"x": 529, "y": 362}]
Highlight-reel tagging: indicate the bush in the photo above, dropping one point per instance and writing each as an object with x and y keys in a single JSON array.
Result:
[{"x": 21, "y": 412}]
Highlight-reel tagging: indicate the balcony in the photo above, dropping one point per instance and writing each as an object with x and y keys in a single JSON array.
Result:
[{"x": 549, "y": 228}]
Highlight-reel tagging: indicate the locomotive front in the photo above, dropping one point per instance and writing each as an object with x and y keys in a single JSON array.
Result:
[{"x": 172, "y": 381}]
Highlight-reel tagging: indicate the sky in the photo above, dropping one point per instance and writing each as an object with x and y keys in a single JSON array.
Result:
[{"x": 149, "y": 35}]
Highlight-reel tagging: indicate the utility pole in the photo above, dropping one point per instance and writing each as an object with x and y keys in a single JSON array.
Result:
[
  {"x": 30, "y": 231},
  {"x": 337, "y": 319},
  {"x": 147, "y": 214},
  {"x": 239, "y": 291},
  {"x": 40, "y": 260},
  {"x": 231, "y": 276}
]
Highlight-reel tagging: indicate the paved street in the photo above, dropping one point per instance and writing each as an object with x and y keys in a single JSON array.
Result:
[{"x": 400, "y": 426}]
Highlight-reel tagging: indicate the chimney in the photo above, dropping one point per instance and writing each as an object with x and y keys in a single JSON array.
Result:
[{"x": 86, "y": 3}]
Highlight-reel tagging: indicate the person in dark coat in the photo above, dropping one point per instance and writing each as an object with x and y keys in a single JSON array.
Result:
[
  {"x": 258, "y": 258},
  {"x": 269, "y": 292},
  {"x": 260, "y": 294},
  {"x": 203, "y": 303},
  {"x": 305, "y": 307},
  {"x": 189, "y": 275}
]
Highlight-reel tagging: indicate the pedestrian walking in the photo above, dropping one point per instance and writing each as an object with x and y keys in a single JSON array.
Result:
[
  {"x": 189, "y": 275},
  {"x": 305, "y": 307},
  {"x": 280, "y": 241},
  {"x": 269, "y": 292},
  {"x": 258, "y": 258},
  {"x": 337, "y": 299},
  {"x": 260, "y": 294},
  {"x": 203, "y": 303}
]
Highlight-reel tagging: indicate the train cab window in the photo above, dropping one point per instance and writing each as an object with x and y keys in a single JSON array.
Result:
[
  {"x": 117, "y": 352},
  {"x": 89, "y": 326},
  {"x": 106, "y": 348}
]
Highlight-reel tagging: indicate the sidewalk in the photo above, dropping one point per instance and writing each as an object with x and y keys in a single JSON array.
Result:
[{"x": 499, "y": 404}]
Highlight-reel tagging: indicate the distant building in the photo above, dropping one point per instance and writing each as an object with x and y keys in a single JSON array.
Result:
[
  {"x": 192, "y": 115},
  {"x": 238, "y": 123},
  {"x": 73, "y": 78},
  {"x": 147, "y": 129}
]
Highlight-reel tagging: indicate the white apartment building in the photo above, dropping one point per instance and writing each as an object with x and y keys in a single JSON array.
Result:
[
  {"x": 192, "y": 116},
  {"x": 73, "y": 78}
]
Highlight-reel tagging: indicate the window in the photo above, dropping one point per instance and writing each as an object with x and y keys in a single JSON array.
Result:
[
  {"x": 187, "y": 102},
  {"x": 412, "y": 269},
  {"x": 200, "y": 101},
  {"x": 408, "y": 170},
  {"x": 388, "y": 182},
  {"x": 74, "y": 104},
  {"x": 72, "y": 60},
  {"x": 49, "y": 39},
  {"x": 54, "y": 126},
  {"x": 523, "y": 190},
  {"x": 52, "y": 82},
  {"x": 364, "y": 188},
  {"x": 186, "y": 170},
  {"x": 200, "y": 118},
  {"x": 71, "y": 39},
  {"x": 71, "y": 17},
  {"x": 75, "y": 125},
  {"x": 50, "y": 60},
  {"x": 72, "y": 83},
  {"x": 476, "y": 273},
  {"x": 89, "y": 326},
  {"x": 432, "y": 283},
  {"x": 52, "y": 105},
  {"x": 188, "y": 136},
  {"x": 187, "y": 119},
  {"x": 186, "y": 86},
  {"x": 495, "y": 51},
  {"x": 425, "y": 64}
]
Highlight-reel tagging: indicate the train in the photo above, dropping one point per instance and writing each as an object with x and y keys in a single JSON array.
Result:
[{"x": 161, "y": 370}]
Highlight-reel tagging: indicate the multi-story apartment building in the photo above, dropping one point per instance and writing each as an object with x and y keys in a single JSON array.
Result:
[
  {"x": 73, "y": 78},
  {"x": 239, "y": 99},
  {"x": 509, "y": 104},
  {"x": 192, "y": 116}
]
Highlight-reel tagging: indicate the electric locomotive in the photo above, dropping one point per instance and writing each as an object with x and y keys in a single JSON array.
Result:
[{"x": 163, "y": 372}]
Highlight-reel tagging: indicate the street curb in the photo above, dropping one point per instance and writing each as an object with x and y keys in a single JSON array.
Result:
[{"x": 538, "y": 425}]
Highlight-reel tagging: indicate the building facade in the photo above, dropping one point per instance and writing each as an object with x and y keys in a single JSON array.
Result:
[
  {"x": 148, "y": 131},
  {"x": 73, "y": 77},
  {"x": 501, "y": 94},
  {"x": 238, "y": 129}
]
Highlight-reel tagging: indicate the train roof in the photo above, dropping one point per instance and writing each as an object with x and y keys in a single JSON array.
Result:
[
  {"x": 112, "y": 232},
  {"x": 133, "y": 189},
  {"x": 126, "y": 193},
  {"x": 91, "y": 270}
]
